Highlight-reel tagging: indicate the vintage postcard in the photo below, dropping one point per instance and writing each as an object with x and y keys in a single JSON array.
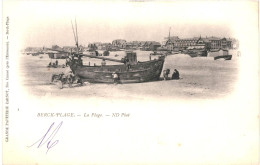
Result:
[{"x": 130, "y": 82}]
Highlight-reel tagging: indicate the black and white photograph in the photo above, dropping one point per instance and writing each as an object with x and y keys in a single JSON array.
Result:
[
  {"x": 130, "y": 82},
  {"x": 145, "y": 55}
]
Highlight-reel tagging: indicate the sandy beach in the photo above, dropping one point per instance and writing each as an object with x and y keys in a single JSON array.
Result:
[{"x": 201, "y": 78}]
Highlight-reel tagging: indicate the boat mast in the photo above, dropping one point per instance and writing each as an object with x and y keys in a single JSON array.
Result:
[
  {"x": 169, "y": 39},
  {"x": 81, "y": 54},
  {"x": 169, "y": 33},
  {"x": 75, "y": 35},
  {"x": 77, "y": 43}
]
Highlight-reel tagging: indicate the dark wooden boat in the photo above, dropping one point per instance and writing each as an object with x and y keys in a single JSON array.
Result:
[
  {"x": 129, "y": 72},
  {"x": 226, "y": 57}
]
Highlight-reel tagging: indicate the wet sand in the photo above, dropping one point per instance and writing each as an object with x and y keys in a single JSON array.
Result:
[{"x": 201, "y": 78}]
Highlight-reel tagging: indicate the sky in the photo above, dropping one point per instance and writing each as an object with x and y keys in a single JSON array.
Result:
[{"x": 45, "y": 23}]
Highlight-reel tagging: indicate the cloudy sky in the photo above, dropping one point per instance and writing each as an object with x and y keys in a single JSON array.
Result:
[{"x": 43, "y": 23}]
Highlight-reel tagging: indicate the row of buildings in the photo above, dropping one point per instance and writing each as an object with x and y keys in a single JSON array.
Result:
[
  {"x": 121, "y": 44},
  {"x": 170, "y": 43}
]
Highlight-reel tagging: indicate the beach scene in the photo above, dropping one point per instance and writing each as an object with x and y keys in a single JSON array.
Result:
[
  {"x": 200, "y": 77},
  {"x": 130, "y": 82},
  {"x": 205, "y": 53}
]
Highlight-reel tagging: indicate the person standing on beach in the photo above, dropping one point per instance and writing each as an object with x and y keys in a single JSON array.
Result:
[
  {"x": 115, "y": 77},
  {"x": 127, "y": 63}
]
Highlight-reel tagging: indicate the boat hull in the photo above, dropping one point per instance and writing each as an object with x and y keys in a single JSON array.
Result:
[
  {"x": 226, "y": 57},
  {"x": 140, "y": 72}
]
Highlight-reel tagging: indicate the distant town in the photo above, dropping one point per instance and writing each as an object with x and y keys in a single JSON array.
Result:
[{"x": 170, "y": 43}]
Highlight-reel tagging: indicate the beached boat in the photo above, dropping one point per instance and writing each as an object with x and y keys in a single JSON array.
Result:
[
  {"x": 196, "y": 51},
  {"x": 219, "y": 54},
  {"x": 226, "y": 57},
  {"x": 131, "y": 71}
]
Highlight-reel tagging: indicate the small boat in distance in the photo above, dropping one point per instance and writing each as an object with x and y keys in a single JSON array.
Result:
[
  {"x": 219, "y": 54},
  {"x": 196, "y": 51},
  {"x": 226, "y": 57}
]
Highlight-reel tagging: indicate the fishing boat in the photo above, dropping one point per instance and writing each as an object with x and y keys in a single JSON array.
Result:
[{"x": 129, "y": 70}]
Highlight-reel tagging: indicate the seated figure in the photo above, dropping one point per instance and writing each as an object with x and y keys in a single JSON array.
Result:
[{"x": 175, "y": 75}]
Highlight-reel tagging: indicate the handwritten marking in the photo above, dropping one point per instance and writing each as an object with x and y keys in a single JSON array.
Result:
[{"x": 43, "y": 140}]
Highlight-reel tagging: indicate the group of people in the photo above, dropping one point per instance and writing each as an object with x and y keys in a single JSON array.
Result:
[
  {"x": 175, "y": 74},
  {"x": 66, "y": 78},
  {"x": 55, "y": 64},
  {"x": 71, "y": 60}
]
